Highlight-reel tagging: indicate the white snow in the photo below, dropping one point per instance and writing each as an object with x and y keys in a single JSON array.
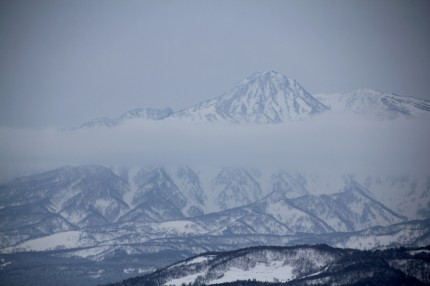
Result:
[
  {"x": 275, "y": 271},
  {"x": 261, "y": 272},
  {"x": 60, "y": 240},
  {"x": 128, "y": 197},
  {"x": 129, "y": 270},
  {"x": 96, "y": 274},
  {"x": 314, "y": 274},
  {"x": 405, "y": 194},
  {"x": 364, "y": 241},
  {"x": 3, "y": 265},
  {"x": 103, "y": 204},
  {"x": 415, "y": 252}
]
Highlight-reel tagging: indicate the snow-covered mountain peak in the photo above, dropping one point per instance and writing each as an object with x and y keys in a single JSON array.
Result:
[
  {"x": 270, "y": 97},
  {"x": 267, "y": 85},
  {"x": 263, "y": 97}
]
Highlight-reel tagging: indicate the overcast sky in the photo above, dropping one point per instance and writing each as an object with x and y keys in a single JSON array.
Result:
[{"x": 65, "y": 62}]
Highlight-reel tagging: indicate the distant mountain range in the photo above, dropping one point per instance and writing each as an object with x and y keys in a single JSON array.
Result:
[
  {"x": 270, "y": 97},
  {"x": 111, "y": 215},
  {"x": 72, "y": 208}
]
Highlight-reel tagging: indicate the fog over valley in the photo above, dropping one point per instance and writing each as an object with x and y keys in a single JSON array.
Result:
[
  {"x": 246, "y": 142},
  {"x": 342, "y": 142}
]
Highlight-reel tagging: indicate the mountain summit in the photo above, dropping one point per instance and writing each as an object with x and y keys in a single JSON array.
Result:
[
  {"x": 270, "y": 97},
  {"x": 263, "y": 97}
]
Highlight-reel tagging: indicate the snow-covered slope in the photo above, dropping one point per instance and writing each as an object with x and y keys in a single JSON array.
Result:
[
  {"x": 236, "y": 187},
  {"x": 300, "y": 265},
  {"x": 223, "y": 201},
  {"x": 405, "y": 194},
  {"x": 271, "y": 265},
  {"x": 269, "y": 97},
  {"x": 395, "y": 235},
  {"x": 264, "y": 97},
  {"x": 289, "y": 185},
  {"x": 364, "y": 207},
  {"x": 62, "y": 199},
  {"x": 157, "y": 198},
  {"x": 379, "y": 104}
]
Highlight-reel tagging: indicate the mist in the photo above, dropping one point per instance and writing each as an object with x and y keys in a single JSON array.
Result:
[{"x": 336, "y": 142}]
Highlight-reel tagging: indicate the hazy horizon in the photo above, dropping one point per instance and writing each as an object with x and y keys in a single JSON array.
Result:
[{"x": 65, "y": 62}]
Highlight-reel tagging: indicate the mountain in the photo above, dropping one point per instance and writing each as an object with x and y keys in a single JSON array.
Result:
[
  {"x": 289, "y": 185},
  {"x": 84, "y": 196},
  {"x": 236, "y": 187},
  {"x": 350, "y": 210},
  {"x": 409, "y": 195},
  {"x": 87, "y": 205},
  {"x": 118, "y": 217},
  {"x": 375, "y": 103},
  {"x": 297, "y": 265},
  {"x": 137, "y": 113},
  {"x": 97, "y": 122},
  {"x": 269, "y": 98},
  {"x": 62, "y": 199},
  {"x": 157, "y": 198},
  {"x": 265, "y": 97}
]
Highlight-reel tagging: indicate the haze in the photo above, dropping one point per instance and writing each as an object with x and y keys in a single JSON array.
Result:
[
  {"x": 341, "y": 143},
  {"x": 65, "y": 62}
]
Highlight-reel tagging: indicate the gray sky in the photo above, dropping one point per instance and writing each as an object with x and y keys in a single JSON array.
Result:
[{"x": 65, "y": 62}]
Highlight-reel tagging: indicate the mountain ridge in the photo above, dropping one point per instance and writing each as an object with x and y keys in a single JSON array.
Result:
[
  {"x": 272, "y": 98},
  {"x": 78, "y": 198},
  {"x": 263, "y": 97},
  {"x": 380, "y": 104},
  {"x": 296, "y": 265},
  {"x": 112, "y": 214}
]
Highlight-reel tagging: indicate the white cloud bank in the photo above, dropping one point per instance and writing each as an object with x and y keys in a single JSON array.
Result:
[{"x": 345, "y": 144}]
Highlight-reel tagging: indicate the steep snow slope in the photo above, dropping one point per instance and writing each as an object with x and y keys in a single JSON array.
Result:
[
  {"x": 68, "y": 197},
  {"x": 265, "y": 97},
  {"x": 405, "y": 194},
  {"x": 235, "y": 200}
]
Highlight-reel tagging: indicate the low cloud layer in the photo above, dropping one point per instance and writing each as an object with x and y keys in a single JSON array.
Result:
[{"x": 329, "y": 142}]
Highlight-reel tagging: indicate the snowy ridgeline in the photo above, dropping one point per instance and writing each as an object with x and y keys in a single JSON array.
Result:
[
  {"x": 102, "y": 209},
  {"x": 269, "y": 97},
  {"x": 299, "y": 265},
  {"x": 102, "y": 213}
]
